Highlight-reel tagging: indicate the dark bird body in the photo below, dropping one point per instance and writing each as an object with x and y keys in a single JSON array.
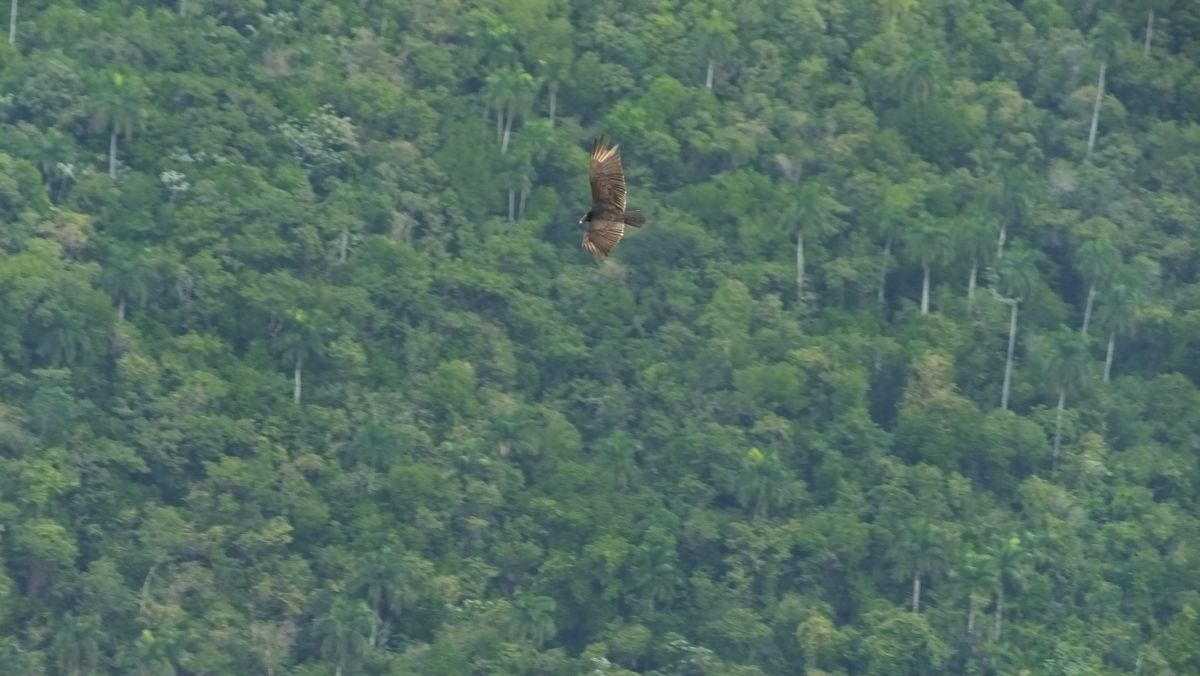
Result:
[{"x": 607, "y": 218}]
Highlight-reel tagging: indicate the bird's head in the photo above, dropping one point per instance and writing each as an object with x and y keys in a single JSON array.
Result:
[{"x": 586, "y": 218}]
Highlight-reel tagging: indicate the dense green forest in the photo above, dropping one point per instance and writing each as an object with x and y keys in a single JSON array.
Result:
[{"x": 303, "y": 369}]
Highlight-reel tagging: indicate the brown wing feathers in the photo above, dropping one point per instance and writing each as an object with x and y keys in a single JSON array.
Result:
[
  {"x": 608, "y": 180},
  {"x": 608, "y": 215},
  {"x": 602, "y": 236}
]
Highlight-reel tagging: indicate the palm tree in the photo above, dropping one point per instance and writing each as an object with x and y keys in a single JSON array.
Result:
[
  {"x": 517, "y": 174},
  {"x": 1145, "y": 43},
  {"x": 928, "y": 242},
  {"x": 1118, "y": 313},
  {"x": 618, "y": 453},
  {"x": 761, "y": 482},
  {"x": 1108, "y": 33},
  {"x": 552, "y": 52},
  {"x": 1065, "y": 367},
  {"x": 973, "y": 242},
  {"x": 389, "y": 582},
  {"x": 299, "y": 339},
  {"x": 1017, "y": 277},
  {"x": 1011, "y": 562},
  {"x": 1097, "y": 260},
  {"x": 655, "y": 570},
  {"x": 532, "y": 618},
  {"x": 895, "y": 10},
  {"x": 77, "y": 644},
  {"x": 812, "y": 209},
  {"x": 510, "y": 91},
  {"x": 717, "y": 40},
  {"x": 978, "y": 575},
  {"x": 55, "y": 153},
  {"x": 1011, "y": 199},
  {"x": 63, "y": 338},
  {"x": 496, "y": 38},
  {"x": 893, "y": 213},
  {"x": 155, "y": 655},
  {"x": 919, "y": 552},
  {"x": 126, "y": 279},
  {"x": 1120, "y": 309},
  {"x": 917, "y": 79},
  {"x": 117, "y": 108},
  {"x": 345, "y": 630},
  {"x": 272, "y": 641}
]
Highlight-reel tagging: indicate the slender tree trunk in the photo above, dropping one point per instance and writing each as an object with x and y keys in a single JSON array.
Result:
[
  {"x": 112, "y": 154},
  {"x": 887, "y": 254},
  {"x": 708, "y": 76},
  {"x": 916, "y": 593},
  {"x": 121, "y": 308},
  {"x": 799, "y": 268},
  {"x": 1087, "y": 309},
  {"x": 508, "y": 117},
  {"x": 144, "y": 598},
  {"x": 1091, "y": 143},
  {"x": 1058, "y": 414},
  {"x": 1145, "y": 46},
  {"x": 182, "y": 7},
  {"x": 925, "y": 289},
  {"x": 296, "y": 378},
  {"x": 971, "y": 614},
  {"x": 1008, "y": 361},
  {"x": 500, "y": 123},
  {"x": 999, "y": 614},
  {"x": 553, "y": 102},
  {"x": 12, "y": 22},
  {"x": 344, "y": 245},
  {"x": 521, "y": 204},
  {"x": 1000, "y": 243},
  {"x": 338, "y": 670},
  {"x": 512, "y": 204},
  {"x": 971, "y": 281},
  {"x": 1108, "y": 357},
  {"x": 373, "y": 638}
]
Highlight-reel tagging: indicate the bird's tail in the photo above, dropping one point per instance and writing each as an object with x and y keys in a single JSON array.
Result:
[{"x": 635, "y": 218}]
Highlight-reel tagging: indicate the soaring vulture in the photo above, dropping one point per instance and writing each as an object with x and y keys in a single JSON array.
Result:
[{"x": 607, "y": 218}]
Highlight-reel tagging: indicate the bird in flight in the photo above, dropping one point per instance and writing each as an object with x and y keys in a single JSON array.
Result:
[{"x": 607, "y": 218}]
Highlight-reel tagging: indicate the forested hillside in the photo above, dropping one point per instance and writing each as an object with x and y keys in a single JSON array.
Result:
[{"x": 303, "y": 369}]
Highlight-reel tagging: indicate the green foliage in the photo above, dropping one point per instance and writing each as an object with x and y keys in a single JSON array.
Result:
[{"x": 303, "y": 369}]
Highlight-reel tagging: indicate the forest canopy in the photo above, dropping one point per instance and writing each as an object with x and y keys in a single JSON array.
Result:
[{"x": 303, "y": 369}]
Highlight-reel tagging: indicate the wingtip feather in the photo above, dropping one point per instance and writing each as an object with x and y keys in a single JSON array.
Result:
[{"x": 602, "y": 148}]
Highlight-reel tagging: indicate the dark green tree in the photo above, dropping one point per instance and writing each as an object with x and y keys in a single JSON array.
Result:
[
  {"x": 1064, "y": 364},
  {"x": 117, "y": 106},
  {"x": 531, "y": 618},
  {"x": 1017, "y": 277},
  {"x": 1097, "y": 260},
  {"x": 345, "y": 630},
  {"x": 919, "y": 554},
  {"x": 77, "y": 644}
]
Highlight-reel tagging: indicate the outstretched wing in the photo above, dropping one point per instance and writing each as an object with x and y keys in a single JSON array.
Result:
[
  {"x": 608, "y": 181},
  {"x": 602, "y": 236}
]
